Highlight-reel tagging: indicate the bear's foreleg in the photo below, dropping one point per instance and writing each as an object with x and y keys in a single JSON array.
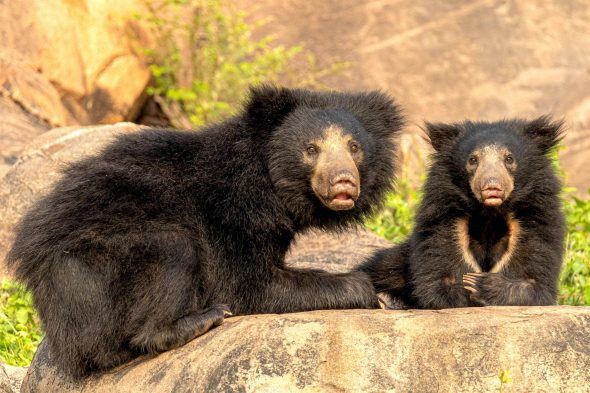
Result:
[
  {"x": 495, "y": 289},
  {"x": 388, "y": 270},
  {"x": 294, "y": 290}
]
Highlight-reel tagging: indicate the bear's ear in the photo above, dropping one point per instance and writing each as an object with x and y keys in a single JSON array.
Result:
[
  {"x": 378, "y": 112},
  {"x": 545, "y": 132},
  {"x": 267, "y": 107},
  {"x": 441, "y": 134}
]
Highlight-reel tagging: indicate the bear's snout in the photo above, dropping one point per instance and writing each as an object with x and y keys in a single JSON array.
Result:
[
  {"x": 343, "y": 191},
  {"x": 337, "y": 188},
  {"x": 492, "y": 193},
  {"x": 491, "y": 180}
]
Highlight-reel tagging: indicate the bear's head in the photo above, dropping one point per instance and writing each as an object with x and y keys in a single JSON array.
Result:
[
  {"x": 330, "y": 156},
  {"x": 497, "y": 161}
]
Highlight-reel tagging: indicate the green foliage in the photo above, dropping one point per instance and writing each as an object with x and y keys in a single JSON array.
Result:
[
  {"x": 205, "y": 57},
  {"x": 397, "y": 219},
  {"x": 575, "y": 276},
  {"x": 20, "y": 331}
]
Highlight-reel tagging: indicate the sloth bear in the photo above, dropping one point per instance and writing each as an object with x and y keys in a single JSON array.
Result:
[
  {"x": 489, "y": 230},
  {"x": 156, "y": 239}
]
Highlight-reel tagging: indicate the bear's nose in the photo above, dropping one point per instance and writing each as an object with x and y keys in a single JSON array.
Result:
[
  {"x": 343, "y": 178},
  {"x": 492, "y": 183}
]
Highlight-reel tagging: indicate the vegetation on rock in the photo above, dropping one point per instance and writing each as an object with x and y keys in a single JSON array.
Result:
[
  {"x": 206, "y": 55},
  {"x": 20, "y": 331}
]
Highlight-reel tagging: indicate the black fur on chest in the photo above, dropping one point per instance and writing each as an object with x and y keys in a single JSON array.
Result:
[{"x": 488, "y": 239}]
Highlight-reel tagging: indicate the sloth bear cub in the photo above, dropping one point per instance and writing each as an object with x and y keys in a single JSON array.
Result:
[
  {"x": 156, "y": 239},
  {"x": 489, "y": 230}
]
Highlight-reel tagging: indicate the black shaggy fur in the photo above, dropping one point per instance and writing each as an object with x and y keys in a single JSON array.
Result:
[
  {"x": 146, "y": 245},
  {"x": 427, "y": 270}
]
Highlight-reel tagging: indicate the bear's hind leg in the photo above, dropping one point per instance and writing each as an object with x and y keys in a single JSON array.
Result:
[
  {"x": 156, "y": 338},
  {"x": 172, "y": 304}
]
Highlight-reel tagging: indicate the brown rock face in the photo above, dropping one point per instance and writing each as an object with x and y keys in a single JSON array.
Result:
[
  {"x": 452, "y": 60},
  {"x": 39, "y": 166},
  {"x": 543, "y": 349},
  {"x": 64, "y": 63},
  {"x": 81, "y": 47}
]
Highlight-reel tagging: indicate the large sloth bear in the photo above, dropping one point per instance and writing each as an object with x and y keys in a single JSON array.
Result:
[
  {"x": 153, "y": 241},
  {"x": 489, "y": 230}
]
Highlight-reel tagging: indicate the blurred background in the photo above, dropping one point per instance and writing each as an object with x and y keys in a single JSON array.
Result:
[{"x": 185, "y": 63}]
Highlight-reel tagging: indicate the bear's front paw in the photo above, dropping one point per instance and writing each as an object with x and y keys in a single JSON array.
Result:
[
  {"x": 358, "y": 291},
  {"x": 472, "y": 284},
  {"x": 485, "y": 289}
]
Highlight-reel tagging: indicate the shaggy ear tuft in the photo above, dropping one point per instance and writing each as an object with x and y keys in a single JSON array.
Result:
[
  {"x": 267, "y": 107},
  {"x": 379, "y": 112},
  {"x": 545, "y": 132},
  {"x": 441, "y": 134}
]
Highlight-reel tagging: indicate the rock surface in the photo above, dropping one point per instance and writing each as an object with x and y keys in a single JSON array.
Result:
[
  {"x": 542, "y": 349},
  {"x": 335, "y": 252},
  {"x": 65, "y": 63},
  {"x": 451, "y": 60},
  {"x": 39, "y": 166},
  {"x": 11, "y": 378},
  {"x": 82, "y": 48}
]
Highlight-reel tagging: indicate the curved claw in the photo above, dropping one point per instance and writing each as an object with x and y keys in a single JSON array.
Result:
[
  {"x": 471, "y": 282},
  {"x": 382, "y": 304},
  {"x": 225, "y": 308}
]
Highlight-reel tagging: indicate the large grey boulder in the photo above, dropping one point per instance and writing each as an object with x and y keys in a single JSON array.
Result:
[
  {"x": 335, "y": 252},
  {"x": 541, "y": 349}
]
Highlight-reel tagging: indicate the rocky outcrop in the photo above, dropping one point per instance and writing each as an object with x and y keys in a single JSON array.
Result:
[
  {"x": 65, "y": 63},
  {"x": 39, "y": 166},
  {"x": 452, "y": 60},
  {"x": 11, "y": 378},
  {"x": 511, "y": 349},
  {"x": 82, "y": 48},
  {"x": 28, "y": 104}
]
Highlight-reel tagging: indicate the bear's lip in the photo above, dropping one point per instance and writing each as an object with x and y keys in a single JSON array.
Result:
[
  {"x": 493, "y": 201},
  {"x": 492, "y": 197},
  {"x": 340, "y": 195},
  {"x": 341, "y": 201}
]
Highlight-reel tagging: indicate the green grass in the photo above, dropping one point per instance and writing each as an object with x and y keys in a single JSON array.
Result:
[
  {"x": 574, "y": 287},
  {"x": 20, "y": 331}
]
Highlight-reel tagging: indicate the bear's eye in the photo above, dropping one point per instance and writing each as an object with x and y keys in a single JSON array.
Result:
[
  {"x": 509, "y": 160},
  {"x": 312, "y": 150},
  {"x": 354, "y": 147},
  {"x": 473, "y": 160}
]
